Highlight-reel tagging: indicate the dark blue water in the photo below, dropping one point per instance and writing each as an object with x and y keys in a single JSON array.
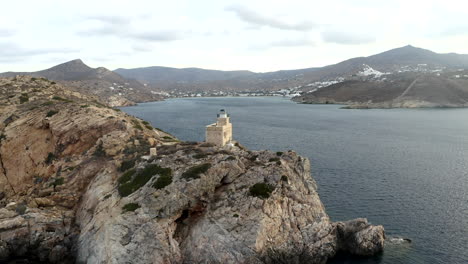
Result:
[{"x": 401, "y": 168}]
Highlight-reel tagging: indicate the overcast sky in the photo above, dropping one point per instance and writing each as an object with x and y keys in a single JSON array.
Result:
[{"x": 227, "y": 35}]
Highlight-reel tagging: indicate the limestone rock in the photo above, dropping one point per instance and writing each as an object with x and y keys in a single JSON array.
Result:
[{"x": 360, "y": 238}]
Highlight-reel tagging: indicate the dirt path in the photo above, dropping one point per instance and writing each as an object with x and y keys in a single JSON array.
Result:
[{"x": 407, "y": 89}]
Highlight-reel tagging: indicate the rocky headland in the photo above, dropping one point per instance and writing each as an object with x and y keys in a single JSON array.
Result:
[{"x": 77, "y": 185}]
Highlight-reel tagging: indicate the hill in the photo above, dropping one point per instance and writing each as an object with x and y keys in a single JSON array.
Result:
[
  {"x": 191, "y": 81},
  {"x": 110, "y": 87}
]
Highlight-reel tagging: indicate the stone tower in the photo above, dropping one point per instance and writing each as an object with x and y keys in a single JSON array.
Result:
[{"x": 220, "y": 133}]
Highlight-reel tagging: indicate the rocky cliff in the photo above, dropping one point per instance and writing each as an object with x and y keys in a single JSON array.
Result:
[{"x": 77, "y": 185}]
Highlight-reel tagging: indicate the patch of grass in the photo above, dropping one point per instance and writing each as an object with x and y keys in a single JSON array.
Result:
[
  {"x": 126, "y": 165},
  {"x": 163, "y": 180},
  {"x": 51, "y": 113},
  {"x": 274, "y": 159},
  {"x": 47, "y": 103},
  {"x": 200, "y": 156},
  {"x": 141, "y": 178},
  {"x": 21, "y": 209},
  {"x": 157, "y": 128},
  {"x": 84, "y": 106},
  {"x": 130, "y": 207},
  {"x": 261, "y": 190},
  {"x": 117, "y": 110},
  {"x": 195, "y": 171},
  {"x": 136, "y": 124},
  {"x": 279, "y": 153},
  {"x": 253, "y": 158},
  {"x": 50, "y": 157},
  {"x": 99, "y": 152},
  {"x": 127, "y": 176},
  {"x": 58, "y": 98},
  {"x": 207, "y": 145},
  {"x": 57, "y": 182},
  {"x": 24, "y": 98},
  {"x": 147, "y": 125},
  {"x": 231, "y": 158}
]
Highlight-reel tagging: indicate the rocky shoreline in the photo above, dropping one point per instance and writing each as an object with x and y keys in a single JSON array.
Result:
[{"x": 81, "y": 188}]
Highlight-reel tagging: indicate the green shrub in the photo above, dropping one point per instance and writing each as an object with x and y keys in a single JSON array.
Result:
[
  {"x": 51, "y": 113},
  {"x": 273, "y": 159},
  {"x": 126, "y": 165},
  {"x": 2, "y": 137},
  {"x": 261, "y": 190},
  {"x": 284, "y": 178},
  {"x": 162, "y": 181},
  {"x": 53, "y": 83},
  {"x": 33, "y": 79},
  {"x": 141, "y": 178},
  {"x": 200, "y": 156},
  {"x": 130, "y": 207},
  {"x": 117, "y": 110},
  {"x": 58, "y": 98},
  {"x": 279, "y": 153},
  {"x": 127, "y": 176},
  {"x": 253, "y": 158},
  {"x": 57, "y": 182},
  {"x": 50, "y": 157},
  {"x": 47, "y": 103},
  {"x": 148, "y": 126},
  {"x": 235, "y": 215},
  {"x": 136, "y": 124},
  {"x": 24, "y": 98},
  {"x": 231, "y": 158},
  {"x": 195, "y": 171},
  {"x": 84, "y": 106},
  {"x": 21, "y": 209},
  {"x": 99, "y": 152}
]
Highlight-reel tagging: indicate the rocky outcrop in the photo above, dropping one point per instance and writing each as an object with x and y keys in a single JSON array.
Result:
[{"x": 82, "y": 188}]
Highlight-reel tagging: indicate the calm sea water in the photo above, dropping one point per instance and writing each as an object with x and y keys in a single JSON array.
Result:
[{"x": 401, "y": 168}]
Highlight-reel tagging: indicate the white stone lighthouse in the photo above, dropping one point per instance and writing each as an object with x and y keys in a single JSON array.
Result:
[{"x": 220, "y": 133}]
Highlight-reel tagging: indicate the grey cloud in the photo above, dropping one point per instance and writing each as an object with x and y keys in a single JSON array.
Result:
[
  {"x": 4, "y": 32},
  {"x": 346, "y": 38},
  {"x": 10, "y": 51},
  {"x": 158, "y": 35},
  {"x": 252, "y": 17},
  {"x": 120, "y": 27},
  {"x": 293, "y": 43},
  {"x": 110, "y": 19}
]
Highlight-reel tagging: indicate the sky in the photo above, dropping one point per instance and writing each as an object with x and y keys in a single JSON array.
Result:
[{"x": 225, "y": 35}]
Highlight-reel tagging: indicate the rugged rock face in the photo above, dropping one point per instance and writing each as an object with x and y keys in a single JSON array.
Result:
[
  {"x": 79, "y": 188},
  {"x": 53, "y": 142}
]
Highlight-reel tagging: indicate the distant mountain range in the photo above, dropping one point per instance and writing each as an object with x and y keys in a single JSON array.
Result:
[
  {"x": 401, "y": 77},
  {"x": 109, "y": 86}
]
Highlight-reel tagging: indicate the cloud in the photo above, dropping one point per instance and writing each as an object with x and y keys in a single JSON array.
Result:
[
  {"x": 346, "y": 38},
  {"x": 159, "y": 36},
  {"x": 4, "y": 32},
  {"x": 252, "y": 17},
  {"x": 10, "y": 51},
  {"x": 293, "y": 43},
  {"x": 121, "y": 27}
]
